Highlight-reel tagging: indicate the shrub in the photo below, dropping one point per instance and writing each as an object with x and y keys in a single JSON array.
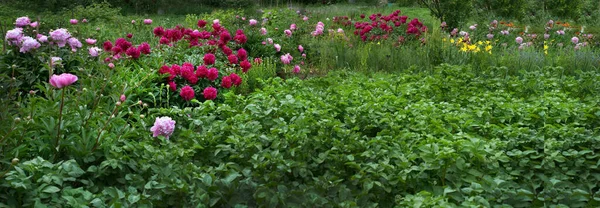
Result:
[{"x": 453, "y": 12}]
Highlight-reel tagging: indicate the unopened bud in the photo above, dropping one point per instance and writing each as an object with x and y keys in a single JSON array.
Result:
[
  {"x": 145, "y": 105},
  {"x": 17, "y": 119},
  {"x": 142, "y": 116},
  {"x": 15, "y": 161},
  {"x": 31, "y": 92},
  {"x": 139, "y": 102},
  {"x": 118, "y": 103}
]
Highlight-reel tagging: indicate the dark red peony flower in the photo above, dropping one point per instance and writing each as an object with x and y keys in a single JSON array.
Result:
[
  {"x": 129, "y": 35},
  {"x": 226, "y": 82},
  {"x": 245, "y": 64},
  {"x": 187, "y": 93},
  {"x": 210, "y": 93},
  {"x": 159, "y": 31},
  {"x": 201, "y": 23},
  {"x": 201, "y": 72},
  {"x": 145, "y": 48},
  {"x": 107, "y": 45},
  {"x": 187, "y": 72},
  {"x": 225, "y": 37},
  {"x": 226, "y": 50},
  {"x": 232, "y": 59},
  {"x": 212, "y": 74},
  {"x": 176, "y": 69},
  {"x": 133, "y": 52},
  {"x": 116, "y": 50},
  {"x": 237, "y": 80},
  {"x": 242, "y": 54},
  {"x": 209, "y": 59},
  {"x": 164, "y": 41},
  {"x": 240, "y": 38},
  {"x": 124, "y": 44},
  {"x": 362, "y": 16},
  {"x": 172, "y": 86}
]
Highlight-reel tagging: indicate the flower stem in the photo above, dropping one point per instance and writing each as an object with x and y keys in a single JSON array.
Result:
[
  {"x": 62, "y": 104},
  {"x": 104, "y": 127}
]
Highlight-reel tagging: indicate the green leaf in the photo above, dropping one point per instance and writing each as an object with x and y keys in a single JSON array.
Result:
[{"x": 51, "y": 189}]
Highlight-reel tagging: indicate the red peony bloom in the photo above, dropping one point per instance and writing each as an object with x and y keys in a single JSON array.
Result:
[
  {"x": 145, "y": 48},
  {"x": 212, "y": 74},
  {"x": 225, "y": 37},
  {"x": 187, "y": 93},
  {"x": 159, "y": 31},
  {"x": 133, "y": 52},
  {"x": 187, "y": 72},
  {"x": 107, "y": 45},
  {"x": 245, "y": 65},
  {"x": 201, "y": 23},
  {"x": 129, "y": 35},
  {"x": 209, "y": 59},
  {"x": 226, "y": 82},
  {"x": 124, "y": 44},
  {"x": 172, "y": 86},
  {"x": 237, "y": 80},
  {"x": 242, "y": 54},
  {"x": 226, "y": 50},
  {"x": 240, "y": 38},
  {"x": 201, "y": 72},
  {"x": 164, "y": 41},
  {"x": 210, "y": 93},
  {"x": 232, "y": 59},
  {"x": 362, "y": 16},
  {"x": 176, "y": 69},
  {"x": 204, "y": 35},
  {"x": 116, "y": 50}
]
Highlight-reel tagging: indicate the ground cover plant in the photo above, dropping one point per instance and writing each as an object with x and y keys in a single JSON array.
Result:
[{"x": 322, "y": 106}]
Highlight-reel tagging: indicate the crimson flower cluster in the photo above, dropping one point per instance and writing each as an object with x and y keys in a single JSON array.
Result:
[
  {"x": 384, "y": 26},
  {"x": 122, "y": 46},
  {"x": 218, "y": 36}
]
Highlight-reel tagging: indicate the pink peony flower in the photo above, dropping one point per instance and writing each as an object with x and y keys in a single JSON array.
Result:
[
  {"x": 74, "y": 43},
  {"x": 42, "y": 38},
  {"x": 54, "y": 61},
  {"x": 172, "y": 86},
  {"x": 22, "y": 21},
  {"x": 212, "y": 74},
  {"x": 209, "y": 59},
  {"x": 163, "y": 126},
  {"x": 277, "y": 47},
  {"x": 293, "y": 27},
  {"x": 145, "y": 48},
  {"x": 270, "y": 41},
  {"x": 286, "y": 59},
  {"x": 216, "y": 21},
  {"x": 232, "y": 59},
  {"x": 60, "y": 36},
  {"x": 90, "y": 41},
  {"x": 305, "y": 18},
  {"x": 288, "y": 33},
  {"x": 111, "y": 65},
  {"x": 490, "y": 36},
  {"x": 472, "y": 27},
  {"x": 504, "y": 32},
  {"x": 210, "y": 93},
  {"x": 300, "y": 48},
  {"x": 296, "y": 69},
  {"x": 14, "y": 36},
  {"x": 263, "y": 31},
  {"x": 253, "y": 22},
  {"x": 73, "y": 21},
  {"x": 575, "y": 40},
  {"x": 122, "y": 98},
  {"x": 132, "y": 21},
  {"x": 34, "y": 24},
  {"x": 28, "y": 44},
  {"x": 147, "y": 21},
  {"x": 201, "y": 71},
  {"x": 340, "y": 30},
  {"x": 519, "y": 40},
  {"x": 63, "y": 80},
  {"x": 94, "y": 51},
  {"x": 187, "y": 93},
  {"x": 85, "y": 21},
  {"x": 242, "y": 54}
]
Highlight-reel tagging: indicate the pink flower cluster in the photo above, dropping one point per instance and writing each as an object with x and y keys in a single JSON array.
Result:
[
  {"x": 385, "y": 26},
  {"x": 163, "y": 126},
  {"x": 219, "y": 35},
  {"x": 318, "y": 29}
]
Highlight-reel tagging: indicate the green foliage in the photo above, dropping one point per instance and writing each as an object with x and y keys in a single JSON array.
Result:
[
  {"x": 94, "y": 12},
  {"x": 504, "y": 8},
  {"x": 453, "y": 12}
]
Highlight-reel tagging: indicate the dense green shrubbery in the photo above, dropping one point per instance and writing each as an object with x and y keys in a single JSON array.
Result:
[
  {"x": 453, "y": 12},
  {"x": 447, "y": 137}
]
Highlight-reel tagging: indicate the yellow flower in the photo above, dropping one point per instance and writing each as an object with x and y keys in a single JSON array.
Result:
[
  {"x": 545, "y": 47},
  {"x": 545, "y": 52},
  {"x": 479, "y": 43},
  {"x": 451, "y": 40},
  {"x": 488, "y": 48},
  {"x": 472, "y": 47},
  {"x": 487, "y": 42},
  {"x": 444, "y": 39},
  {"x": 460, "y": 39},
  {"x": 463, "y": 49}
]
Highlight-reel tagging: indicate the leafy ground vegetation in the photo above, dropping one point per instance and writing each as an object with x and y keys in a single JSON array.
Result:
[{"x": 323, "y": 106}]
